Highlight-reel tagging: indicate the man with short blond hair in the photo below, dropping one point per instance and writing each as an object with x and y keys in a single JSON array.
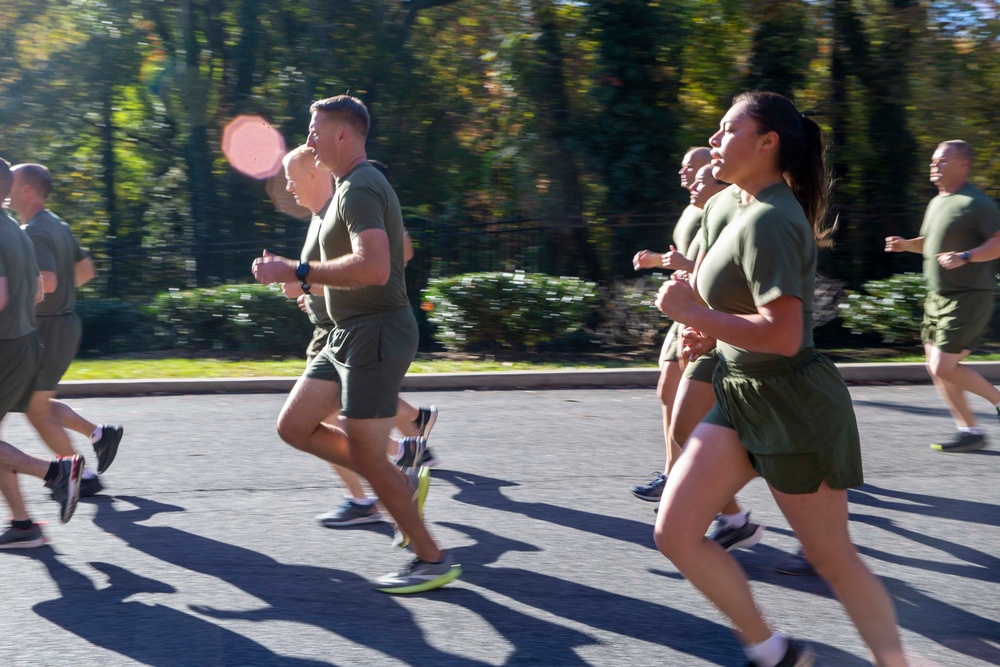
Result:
[{"x": 959, "y": 239}]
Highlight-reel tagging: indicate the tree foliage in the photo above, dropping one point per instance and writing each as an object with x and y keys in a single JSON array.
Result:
[{"x": 572, "y": 116}]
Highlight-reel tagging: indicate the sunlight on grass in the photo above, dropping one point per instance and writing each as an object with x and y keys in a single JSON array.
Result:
[
  {"x": 135, "y": 369},
  {"x": 132, "y": 369}
]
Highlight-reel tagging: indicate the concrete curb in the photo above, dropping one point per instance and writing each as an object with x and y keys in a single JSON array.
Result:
[{"x": 876, "y": 373}]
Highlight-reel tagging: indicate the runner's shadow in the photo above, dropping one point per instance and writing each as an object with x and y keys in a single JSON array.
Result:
[
  {"x": 597, "y": 608},
  {"x": 315, "y": 596},
  {"x": 925, "y": 505},
  {"x": 154, "y": 634},
  {"x": 979, "y": 565},
  {"x": 485, "y": 492},
  {"x": 948, "y": 625}
]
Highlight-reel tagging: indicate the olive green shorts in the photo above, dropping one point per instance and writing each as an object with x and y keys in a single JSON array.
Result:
[
  {"x": 368, "y": 358},
  {"x": 20, "y": 361},
  {"x": 702, "y": 369},
  {"x": 60, "y": 336},
  {"x": 956, "y": 322},
  {"x": 668, "y": 352},
  {"x": 795, "y": 418},
  {"x": 321, "y": 335}
]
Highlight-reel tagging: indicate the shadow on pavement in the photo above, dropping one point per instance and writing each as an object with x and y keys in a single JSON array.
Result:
[
  {"x": 925, "y": 505},
  {"x": 152, "y": 634},
  {"x": 316, "y": 596},
  {"x": 485, "y": 492}
]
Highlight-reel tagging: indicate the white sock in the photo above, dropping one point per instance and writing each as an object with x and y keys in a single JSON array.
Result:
[
  {"x": 88, "y": 472},
  {"x": 737, "y": 520},
  {"x": 96, "y": 435},
  {"x": 366, "y": 501},
  {"x": 970, "y": 429},
  {"x": 769, "y": 652}
]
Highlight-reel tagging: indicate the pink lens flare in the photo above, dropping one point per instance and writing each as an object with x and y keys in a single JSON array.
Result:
[{"x": 252, "y": 146}]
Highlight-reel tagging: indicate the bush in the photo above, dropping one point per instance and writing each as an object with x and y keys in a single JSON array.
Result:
[
  {"x": 522, "y": 311},
  {"x": 115, "y": 327},
  {"x": 233, "y": 318},
  {"x": 630, "y": 320},
  {"x": 892, "y": 308}
]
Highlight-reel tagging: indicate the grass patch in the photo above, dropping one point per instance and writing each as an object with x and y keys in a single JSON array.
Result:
[
  {"x": 135, "y": 369},
  {"x": 177, "y": 367}
]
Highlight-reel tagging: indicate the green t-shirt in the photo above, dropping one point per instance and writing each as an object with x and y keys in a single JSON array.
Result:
[
  {"x": 315, "y": 302},
  {"x": 57, "y": 251},
  {"x": 18, "y": 266},
  {"x": 956, "y": 223},
  {"x": 686, "y": 230},
  {"x": 765, "y": 252},
  {"x": 720, "y": 209},
  {"x": 363, "y": 200}
]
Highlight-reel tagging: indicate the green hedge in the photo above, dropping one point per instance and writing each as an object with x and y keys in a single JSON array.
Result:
[
  {"x": 520, "y": 311},
  {"x": 892, "y": 308},
  {"x": 233, "y": 318},
  {"x": 116, "y": 327}
]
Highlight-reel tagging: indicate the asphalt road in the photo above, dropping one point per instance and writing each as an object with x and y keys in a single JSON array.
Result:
[{"x": 203, "y": 549}]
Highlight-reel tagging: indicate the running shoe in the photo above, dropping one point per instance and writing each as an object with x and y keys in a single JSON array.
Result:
[
  {"x": 425, "y": 420},
  {"x": 90, "y": 486},
  {"x": 429, "y": 459},
  {"x": 796, "y": 566},
  {"x": 796, "y": 655},
  {"x": 419, "y": 576},
  {"x": 420, "y": 484},
  {"x": 106, "y": 447},
  {"x": 743, "y": 537},
  {"x": 15, "y": 538},
  {"x": 66, "y": 486},
  {"x": 411, "y": 452},
  {"x": 963, "y": 442},
  {"x": 652, "y": 491},
  {"x": 350, "y": 513}
]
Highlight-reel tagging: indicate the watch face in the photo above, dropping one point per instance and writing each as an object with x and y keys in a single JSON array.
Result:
[{"x": 301, "y": 271}]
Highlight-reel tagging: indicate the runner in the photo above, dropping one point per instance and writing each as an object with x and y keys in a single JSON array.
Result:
[
  {"x": 681, "y": 256},
  {"x": 64, "y": 266},
  {"x": 783, "y": 412},
  {"x": 359, "y": 372},
  {"x": 312, "y": 188},
  {"x": 20, "y": 361},
  {"x": 959, "y": 239}
]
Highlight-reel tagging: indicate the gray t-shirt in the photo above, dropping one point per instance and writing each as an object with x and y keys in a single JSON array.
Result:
[
  {"x": 57, "y": 251},
  {"x": 766, "y": 252},
  {"x": 363, "y": 200},
  {"x": 18, "y": 266}
]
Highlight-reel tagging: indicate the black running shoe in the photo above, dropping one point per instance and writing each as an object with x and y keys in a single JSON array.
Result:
[
  {"x": 90, "y": 486},
  {"x": 412, "y": 452},
  {"x": 743, "y": 537},
  {"x": 652, "y": 491},
  {"x": 796, "y": 566},
  {"x": 963, "y": 442},
  {"x": 107, "y": 447},
  {"x": 425, "y": 420},
  {"x": 66, "y": 486},
  {"x": 796, "y": 655}
]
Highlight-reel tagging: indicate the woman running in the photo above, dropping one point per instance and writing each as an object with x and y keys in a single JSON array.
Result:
[{"x": 783, "y": 411}]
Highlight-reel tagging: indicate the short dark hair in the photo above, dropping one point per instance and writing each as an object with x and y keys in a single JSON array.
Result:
[
  {"x": 37, "y": 176},
  {"x": 345, "y": 108},
  {"x": 6, "y": 179}
]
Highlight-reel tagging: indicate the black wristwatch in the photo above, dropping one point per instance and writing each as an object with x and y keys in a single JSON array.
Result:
[
  {"x": 301, "y": 271},
  {"x": 967, "y": 256}
]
